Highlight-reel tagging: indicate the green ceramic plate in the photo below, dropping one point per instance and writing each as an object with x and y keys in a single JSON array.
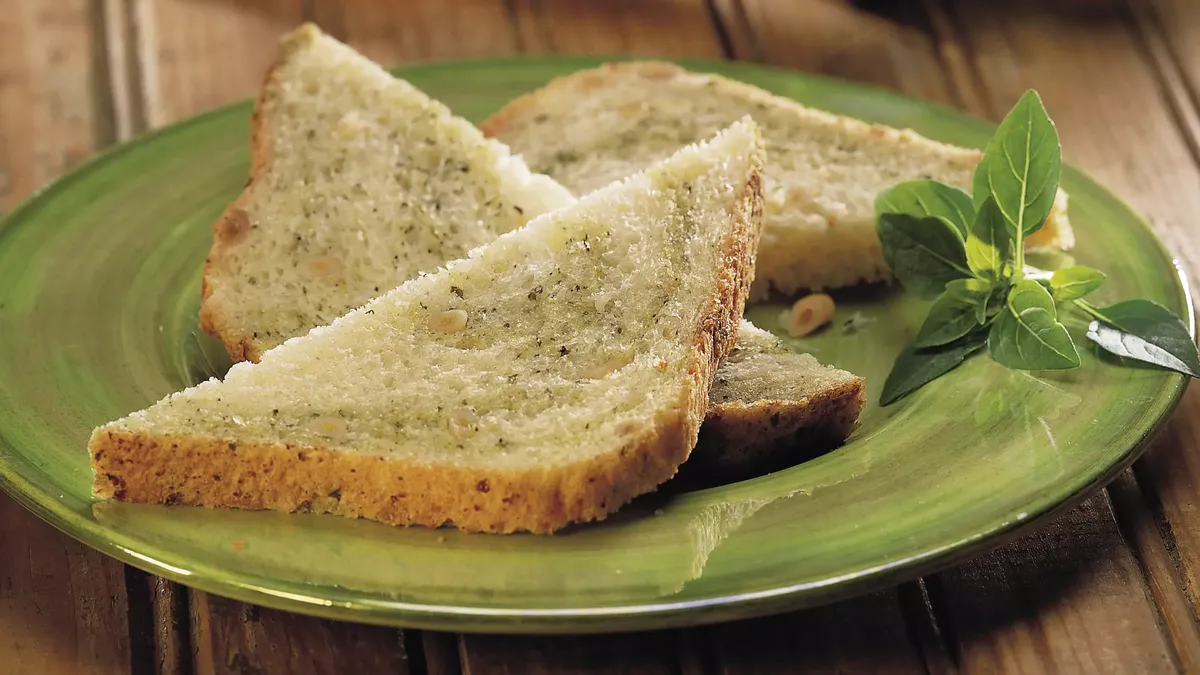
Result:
[{"x": 99, "y": 289}]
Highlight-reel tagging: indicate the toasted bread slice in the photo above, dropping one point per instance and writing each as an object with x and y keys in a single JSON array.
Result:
[
  {"x": 823, "y": 171},
  {"x": 548, "y": 378},
  {"x": 358, "y": 183},
  {"x": 327, "y": 223},
  {"x": 771, "y": 407}
]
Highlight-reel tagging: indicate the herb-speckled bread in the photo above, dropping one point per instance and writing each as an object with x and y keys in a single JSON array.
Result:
[
  {"x": 823, "y": 171},
  {"x": 333, "y": 218},
  {"x": 548, "y": 378},
  {"x": 358, "y": 182}
]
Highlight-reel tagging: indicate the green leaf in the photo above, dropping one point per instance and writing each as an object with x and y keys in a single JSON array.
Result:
[
  {"x": 954, "y": 313},
  {"x": 991, "y": 303},
  {"x": 928, "y": 198},
  {"x": 914, "y": 367},
  {"x": 1146, "y": 331},
  {"x": 1075, "y": 282},
  {"x": 1020, "y": 167},
  {"x": 989, "y": 245},
  {"x": 924, "y": 253},
  {"x": 1028, "y": 335}
]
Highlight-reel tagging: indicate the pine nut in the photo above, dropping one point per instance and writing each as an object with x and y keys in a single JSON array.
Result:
[
  {"x": 449, "y": 321},
  {"x": 808, "y": 314}
]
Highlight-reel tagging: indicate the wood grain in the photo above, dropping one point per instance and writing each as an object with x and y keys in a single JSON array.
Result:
[
  {"x": 864, "y": 635},
  {"x": 662, "y": 28},
  {"x": 199, "y": 54},
  {"x": 1069, "y": 598},
  {"x": 62, "y": 605},
  {"x": 1170, "y": 472},
  {"x": 628, "y": 654},
  {"x": 392, "y": 33},
  {"x": 52, "y": 116},
  {"x": 833, "y": 38},
  {"x": 234, "y": 638}
]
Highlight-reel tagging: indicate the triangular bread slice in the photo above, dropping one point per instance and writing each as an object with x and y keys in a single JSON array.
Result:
[
  {"x": 548, "y": 378},
  {"x": 771, "y": 407},
  {"x": 358, "y": 182},
  {"x": 330, "y": 128},
  {"x": 822, "y": 175}
]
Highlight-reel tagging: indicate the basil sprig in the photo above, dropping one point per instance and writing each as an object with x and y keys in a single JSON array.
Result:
[{"x": 967, "y": 253}]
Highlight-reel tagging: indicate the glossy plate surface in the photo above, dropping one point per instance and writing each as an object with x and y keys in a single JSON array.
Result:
[{"x": 99, "y": 288}]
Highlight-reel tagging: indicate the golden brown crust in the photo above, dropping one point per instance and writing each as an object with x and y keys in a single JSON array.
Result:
[
  {"x": 143, "y": 467},
  {"x": 230, "y": 227},
  {"x": 214, "y": 473}
]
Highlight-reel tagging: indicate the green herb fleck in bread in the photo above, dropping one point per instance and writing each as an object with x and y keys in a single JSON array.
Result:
[
  {"x": 548, "y": 378},
  {"x": 823, "y": 171}
]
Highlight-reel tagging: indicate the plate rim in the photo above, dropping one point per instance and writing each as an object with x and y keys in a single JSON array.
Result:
[{"x": 652, "y": 615}]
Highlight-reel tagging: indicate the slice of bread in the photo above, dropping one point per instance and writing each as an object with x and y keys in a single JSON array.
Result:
[
  {"x": 771, "y": 407},
  {"x": 327, "y": 223},
  {"x": 548, "y": 378},
  {"x": 823, "y": 171},
  {"x": 358, "y": 183}
]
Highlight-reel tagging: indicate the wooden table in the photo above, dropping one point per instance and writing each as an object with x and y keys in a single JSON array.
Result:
[{"x": 1109, "y": 587}]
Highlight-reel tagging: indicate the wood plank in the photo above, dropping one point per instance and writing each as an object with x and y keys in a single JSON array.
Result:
[
  {"x": 52, "y": 120},
  {"x": 1068, "y": 598},
  {"x": 233, "y": 638},
  {"x": 628, "y": 654},
  {"x": 62, "y": 605},
  {"x": 1170, "y": 472},
  {"x": 392, "y": 33},
  {"x": 1138, "y": 523},
  {"x": 864, "y": 635},
  {"x": 199, "y": 55},
  {"x": 665, "y": 28},
  {"x": 834, "y": 38}
]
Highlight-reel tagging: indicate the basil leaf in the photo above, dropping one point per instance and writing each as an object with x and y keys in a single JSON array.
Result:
[
  {"x": 914, "y": 368},
  {"x": 928, "y": 198},
  {"x": 924, "y": 253},
  {"x": 989, "y": 245},
  {"x": 1020, "y": 167},
  {"x": 1028, "y": 335},
  {"x": 954, "y": 313},
  {"x": 1146, "y": 331},
  {"x": 1075, "y": 282}
]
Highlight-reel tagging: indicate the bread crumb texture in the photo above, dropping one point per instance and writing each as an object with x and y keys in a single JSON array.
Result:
[
  {"x": 577, "y": 381},
  {"x": 822, "y": 175},
  {"x": 359, "y": 183}
]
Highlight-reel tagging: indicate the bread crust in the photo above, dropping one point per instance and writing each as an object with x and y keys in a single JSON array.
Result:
[
  {"x": 270, "y": 475},
  {"x": 241, "y": 347}
]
